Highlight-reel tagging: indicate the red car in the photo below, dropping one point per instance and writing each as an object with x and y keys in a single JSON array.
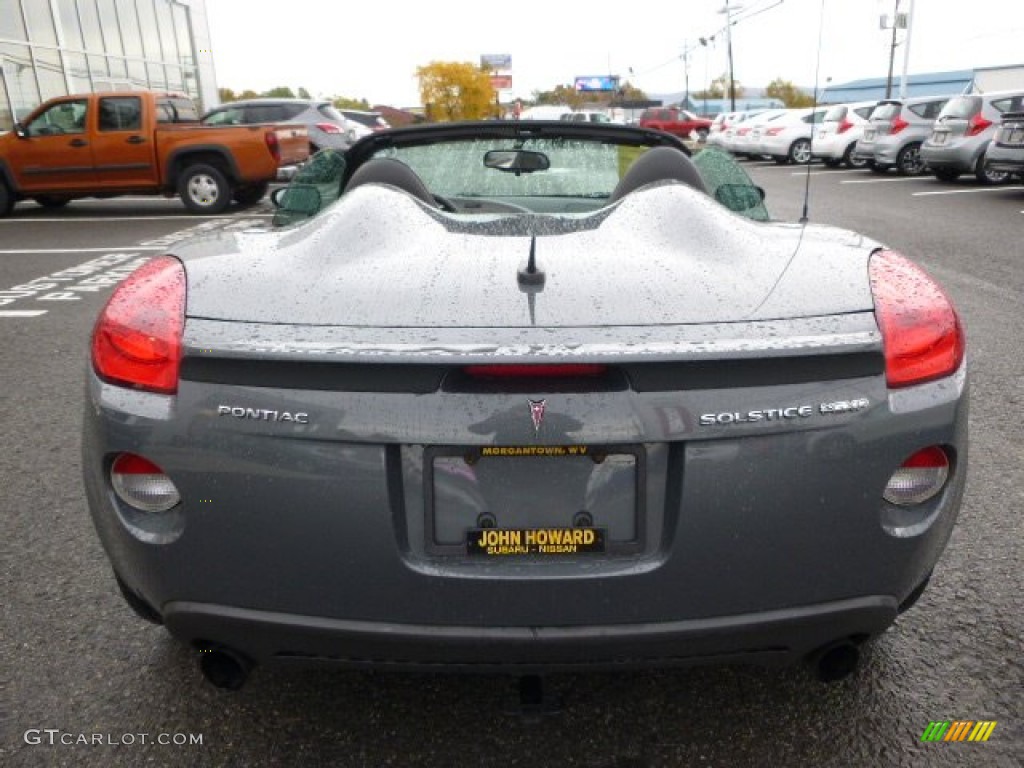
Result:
[{"x": 676, "y": 121}]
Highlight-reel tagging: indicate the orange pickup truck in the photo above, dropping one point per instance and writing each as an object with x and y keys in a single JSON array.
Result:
[{"x": 140, "y": 142}]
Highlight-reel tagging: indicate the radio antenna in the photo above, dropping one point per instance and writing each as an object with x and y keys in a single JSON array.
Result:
[{"x": 814, "y": 108}]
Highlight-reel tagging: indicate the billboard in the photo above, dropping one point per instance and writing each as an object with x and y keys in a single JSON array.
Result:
[
  {"x": 597, "y": 83},
  {"x": 501, "y": 82},
  {"x": 495, "y": 61}
]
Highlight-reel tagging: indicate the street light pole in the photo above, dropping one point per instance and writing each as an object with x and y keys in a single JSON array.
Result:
[
  {"x": 892, "y": 50},
  {"x": 728, "y": 42}
]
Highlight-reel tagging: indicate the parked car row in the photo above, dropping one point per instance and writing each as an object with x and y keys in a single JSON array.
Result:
[{"x": 947, "y": 136}]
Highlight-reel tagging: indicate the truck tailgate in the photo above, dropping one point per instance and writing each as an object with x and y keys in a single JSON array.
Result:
[{"x": 294, "y": 143}]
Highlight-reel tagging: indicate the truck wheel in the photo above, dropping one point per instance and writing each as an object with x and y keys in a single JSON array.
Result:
[
  {"x": 203, "y": 189},
  {"x": 252, "y": 194},
  {"x": 6, "y": 199}
]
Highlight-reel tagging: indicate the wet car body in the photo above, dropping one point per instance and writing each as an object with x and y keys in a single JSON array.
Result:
[{"x": 528, "y": 431}]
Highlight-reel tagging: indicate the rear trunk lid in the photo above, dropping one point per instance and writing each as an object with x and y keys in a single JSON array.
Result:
[{"x": 667, "y": 256}]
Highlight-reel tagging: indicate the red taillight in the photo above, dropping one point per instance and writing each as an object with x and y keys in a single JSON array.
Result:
[
  {"x": 328, "y": 127},
  {"x": 921, "y": 333},
  {"x": 137, "y": 338},
  {"x": 556, "y": 371},
  {"x": 742, "y": 131},
  {"x": 274, "y": 145},
  {"x": 977, "y": 124},
  {"x": 774, "y": 131},
  {"x": 844, "y": 125},
  {"x": 897, "y": 125}
]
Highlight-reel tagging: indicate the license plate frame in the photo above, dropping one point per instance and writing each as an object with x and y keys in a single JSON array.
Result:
[{"x": 612, "y": 545}]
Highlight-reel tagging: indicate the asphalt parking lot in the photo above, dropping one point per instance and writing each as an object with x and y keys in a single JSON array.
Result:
[{"x": 78, "y": 665}]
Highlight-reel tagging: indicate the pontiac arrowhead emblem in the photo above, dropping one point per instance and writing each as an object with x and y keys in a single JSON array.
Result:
[{"x": 537, "y": 413}]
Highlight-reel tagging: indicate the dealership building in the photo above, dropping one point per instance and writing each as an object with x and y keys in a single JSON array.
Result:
[{"x": 55, "y": 47}]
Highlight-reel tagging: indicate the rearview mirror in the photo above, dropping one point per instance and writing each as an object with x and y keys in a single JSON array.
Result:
[
  {"x": 19, "y": 131},
  {"x": 516, "y": 161}
]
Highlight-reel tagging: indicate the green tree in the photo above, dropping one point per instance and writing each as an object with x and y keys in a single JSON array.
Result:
[
  {"x": 248, "y": 93},
  {"x": 346, "y": 102},
  {"x": 226, "y": 95},
  {"x": 303, "y": 93},
  {"x": 788, "y": 93},
  {"x": 454, "y": 90},
  {"x": 281, "y": 92}
]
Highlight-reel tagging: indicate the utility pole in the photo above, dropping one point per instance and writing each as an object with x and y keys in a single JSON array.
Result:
[
  {"x": 892, "y": 50},
  {"x": 728, "y": 41},
  {"x": 906, "y": 51}
]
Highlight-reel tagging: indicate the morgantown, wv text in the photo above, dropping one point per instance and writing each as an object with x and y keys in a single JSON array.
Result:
[{"x": 70, "y": 284}]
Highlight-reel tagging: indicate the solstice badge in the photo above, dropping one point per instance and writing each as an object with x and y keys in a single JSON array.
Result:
[{"x": 537, "y": 413}]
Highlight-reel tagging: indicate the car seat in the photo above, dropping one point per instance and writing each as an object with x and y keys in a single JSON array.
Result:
[
  {"x": 395, "y": 173},
  {"x": 658, "y": 164}
]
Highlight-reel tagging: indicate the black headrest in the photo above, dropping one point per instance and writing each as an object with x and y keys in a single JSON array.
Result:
[
  {"x": 387, "y": 170},
  {"x": 658, "y": 164}
]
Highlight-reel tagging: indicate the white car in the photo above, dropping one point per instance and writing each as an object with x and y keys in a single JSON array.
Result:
[
  {"x": 747, "y": 136},
  {"x": 787, "y": 139},
  {"x": 841, "y": 128}
]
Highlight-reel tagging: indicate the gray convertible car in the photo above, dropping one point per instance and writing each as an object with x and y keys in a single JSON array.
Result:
[{"x": 525, "y": 396}]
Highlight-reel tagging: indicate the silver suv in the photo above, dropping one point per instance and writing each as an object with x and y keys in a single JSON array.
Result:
[
  {"x": 895, "y": 132},
  {"x": 327, "y": 127},
  {"x": 963, "y": 131}
]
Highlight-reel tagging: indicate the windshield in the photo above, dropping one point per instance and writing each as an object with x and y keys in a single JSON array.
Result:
[
  {"x": 491, "y": 171},
  {"x": 577, "y": 169}
]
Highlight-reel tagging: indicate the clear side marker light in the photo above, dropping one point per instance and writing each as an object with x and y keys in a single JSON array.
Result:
[
  {"x": 919, "y": 478},
  {"x": 141, "y": 484}
]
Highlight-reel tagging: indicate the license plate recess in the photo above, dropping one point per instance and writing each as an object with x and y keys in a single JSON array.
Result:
[{"x": 570, "y": 499}]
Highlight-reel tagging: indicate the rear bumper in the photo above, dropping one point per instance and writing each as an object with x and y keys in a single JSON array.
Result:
[
  {"x": 780, "y": 636},
  {"x": 960, "y": 158}
]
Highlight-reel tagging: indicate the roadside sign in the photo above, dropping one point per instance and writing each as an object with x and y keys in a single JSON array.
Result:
[{"x": 495, "y": 61}]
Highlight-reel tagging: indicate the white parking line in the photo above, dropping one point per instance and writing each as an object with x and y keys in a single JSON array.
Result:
[
  {"x": 967, "y": 191},
  {"x": 22, "y": 312},
  {"x": 829, "y": 173},
  {"x": 107, "y": 220},
  {"x": 881, "y": 181},
  {"x": 85, "y": 250}
]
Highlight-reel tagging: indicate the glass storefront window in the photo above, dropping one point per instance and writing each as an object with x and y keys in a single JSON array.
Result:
[
  {"x": 167, "y": 39},
  {"x": 50, "y": 73},
  {"x": 157, "y": 78},
  {"x": 11, "y": 25},
  {"x": 40, "y": 23},
  {"x": 90, "y": 26},
  {"x": 137, "y": 74},
  {"x": 79, "y": 72},
  {"x": 67, "y": 18},
  {"x": 22, "y": 89},
  {"x": 109, "y": 25},
  {"x": 150, "y": 31},
  {"x": 130, "y": 28},
  {"x": 175, "y": 82},
  {"x": 6, "y": 118},
  {"x": 182, "y": 32}
]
